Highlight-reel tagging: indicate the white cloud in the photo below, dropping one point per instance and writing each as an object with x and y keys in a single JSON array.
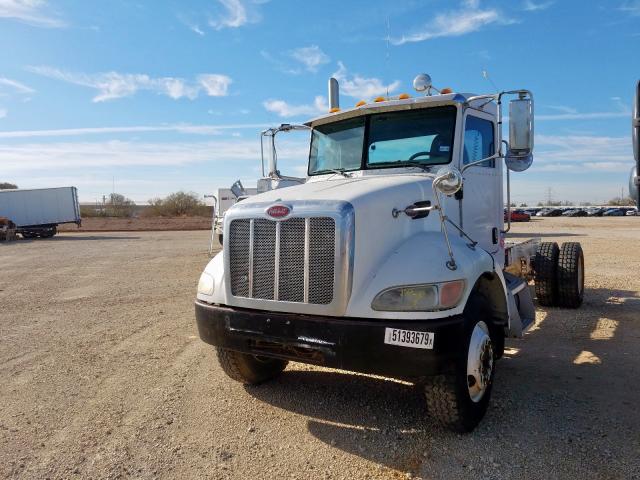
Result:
[
  {"x": 215, "y": 85},
  {"x": 96, "y": 156},
  {"x": 562, "y": 108},
  {"x": 193, "y": 26},
  {"x": 311, "y": 57},
  {"x": 531, "y": 6},
  {"x": 582, "y": 116},
  {"x": 631, "y": 6},
  {"x": 32, "y": 12},
  {"x": 284, "y": 109},
  {"x": 235, "y": 15},
  {"x": 467, "y": 19},
  {"x": 361, "y": 87},
  {"x": 582, "y": 153},
  {"x": 3, "y": 112},
  {"x": 569, "y": 113},
  {"x": 112, "y": 85},
  {"x": 74, "y": 132},
  {"x": 15, "y": 85}
]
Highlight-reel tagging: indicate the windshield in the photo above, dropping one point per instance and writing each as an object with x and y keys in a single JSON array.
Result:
[
  {"x": 393, "y": 139},
  {"x": 337, "y": 146}
]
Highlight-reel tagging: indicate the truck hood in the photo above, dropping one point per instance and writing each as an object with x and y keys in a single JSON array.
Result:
[{"x": 380, "y": 193}]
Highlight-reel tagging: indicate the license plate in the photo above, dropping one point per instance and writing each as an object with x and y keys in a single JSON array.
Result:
[{"x": 409, "y": 338}]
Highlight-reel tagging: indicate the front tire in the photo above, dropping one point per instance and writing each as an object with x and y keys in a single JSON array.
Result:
[
  {"x": 249, "y": 369},
  {"x": 459, "y": 400}
]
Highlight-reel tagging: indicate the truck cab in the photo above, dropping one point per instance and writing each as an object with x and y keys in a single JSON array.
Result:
[{"x": 391, "y": 258}]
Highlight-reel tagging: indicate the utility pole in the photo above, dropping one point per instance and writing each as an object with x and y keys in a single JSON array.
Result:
[{"x": 549, "y": 195}]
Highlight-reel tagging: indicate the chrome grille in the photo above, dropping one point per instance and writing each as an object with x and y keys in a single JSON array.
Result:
[
  {"x": 239, "y": 233},
  {"x": 291, "y": 260},
  {"x": 321, "y": 247},
  {"x": 264, "y": 233},
  {"x": 291, "y": 266}
]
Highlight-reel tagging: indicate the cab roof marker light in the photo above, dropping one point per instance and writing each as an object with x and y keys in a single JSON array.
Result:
[
  {"x": 446, "y": 90},
  {"x": 334, "y": 110},
  {"x": 361, "y": 103},
  {"x": 380, "y": 99},
  {"x": 403, "y": 96}
]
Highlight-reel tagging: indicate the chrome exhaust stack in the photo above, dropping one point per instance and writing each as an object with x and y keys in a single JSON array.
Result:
[{"x": 334, "y": 94}]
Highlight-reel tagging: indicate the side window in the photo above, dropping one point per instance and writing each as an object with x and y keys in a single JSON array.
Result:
[{"x": 478, "y": 141}]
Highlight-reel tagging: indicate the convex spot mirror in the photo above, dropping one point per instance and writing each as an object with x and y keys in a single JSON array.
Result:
[
  {"x": 520, "y": 154},
  {"x": 448, "y": 180}
]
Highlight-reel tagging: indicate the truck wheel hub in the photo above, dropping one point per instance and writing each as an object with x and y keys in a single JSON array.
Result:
[{"x": 479, "y": 362}]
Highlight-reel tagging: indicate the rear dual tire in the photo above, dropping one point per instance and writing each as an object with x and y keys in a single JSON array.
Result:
[{"x": 559, "y": 274}]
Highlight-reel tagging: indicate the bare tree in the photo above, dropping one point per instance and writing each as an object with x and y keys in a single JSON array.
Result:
[{"x": 119, "y": 206}]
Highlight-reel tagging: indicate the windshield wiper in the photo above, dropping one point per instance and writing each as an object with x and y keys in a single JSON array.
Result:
[
  {"x": 422, "y": 166},
  {"x": 339, "y": 171}
]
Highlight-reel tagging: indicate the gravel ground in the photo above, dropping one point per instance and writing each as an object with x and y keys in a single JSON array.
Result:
[{"x": 103, "y": 376}]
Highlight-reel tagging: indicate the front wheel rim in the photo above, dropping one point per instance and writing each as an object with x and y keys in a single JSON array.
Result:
[{"x": 479, "y": 362}]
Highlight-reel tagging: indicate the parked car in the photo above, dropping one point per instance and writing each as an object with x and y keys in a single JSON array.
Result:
[
  {"x": 632, "y": 213},
  {"x": 596, "y": 212},
  {"x": 578, "y": 212},
  {"x": 614, "y": 212},
  {"x": 518, "y": 216},
  {"x": 568, "y": 213},
  {"x": 552, "y": 212}
]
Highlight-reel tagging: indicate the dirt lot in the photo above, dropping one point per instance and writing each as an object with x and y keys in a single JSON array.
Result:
[
  {"x": 103, "y": 376},
  {"x": 112, "y": 224}
]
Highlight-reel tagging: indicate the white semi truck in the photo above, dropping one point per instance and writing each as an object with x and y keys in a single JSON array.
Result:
[
  {"x": 37, "y": 212},
  {"x": 392, "y": 258}
]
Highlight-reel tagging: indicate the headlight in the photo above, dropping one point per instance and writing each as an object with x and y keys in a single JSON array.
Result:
[
  {"x": 205, "y": 285},
  {"x": 420, "y": 298}
]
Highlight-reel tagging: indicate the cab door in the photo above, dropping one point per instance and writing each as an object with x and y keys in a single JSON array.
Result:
[{"x": 482, "y": 205}]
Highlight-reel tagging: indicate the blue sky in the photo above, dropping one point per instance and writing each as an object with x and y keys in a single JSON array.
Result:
[{"x": 159, "y": 96}]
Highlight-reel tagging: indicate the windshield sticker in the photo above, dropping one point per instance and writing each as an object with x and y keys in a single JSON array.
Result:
[{"x": 444, "y": 148}]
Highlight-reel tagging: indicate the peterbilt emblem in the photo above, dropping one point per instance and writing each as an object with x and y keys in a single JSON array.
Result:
[{"x": 278, "y": 211}]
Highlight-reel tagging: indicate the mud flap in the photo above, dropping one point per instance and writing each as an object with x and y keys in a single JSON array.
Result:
[{"x": 522, "y": 311}]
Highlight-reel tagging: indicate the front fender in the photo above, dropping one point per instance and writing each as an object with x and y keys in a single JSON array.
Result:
[
  {"x": 215, "y": 268},
  {"x": 420, "y": 259}
]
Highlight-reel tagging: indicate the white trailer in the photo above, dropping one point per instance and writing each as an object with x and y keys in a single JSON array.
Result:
[
  {"x": 392, "y": 258},
  {"x": 38, "y": 212}
]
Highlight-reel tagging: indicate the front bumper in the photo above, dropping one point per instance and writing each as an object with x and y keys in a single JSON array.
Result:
[{"x": 337, "y": 342}]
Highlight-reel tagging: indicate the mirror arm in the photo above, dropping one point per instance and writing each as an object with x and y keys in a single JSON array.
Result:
[
  {"x": 451, "y": 263},
  {"x": 508, "y": 194},
  {"x": 482, "y": 160}
]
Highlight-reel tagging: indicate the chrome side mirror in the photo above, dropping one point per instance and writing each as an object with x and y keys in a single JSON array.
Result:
[
  {"x": 238, "y": 190},
  {"x": 634, "y": 184},
  {"x": 521, "y": 126},
  {"x": 635, "y": 127}
]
